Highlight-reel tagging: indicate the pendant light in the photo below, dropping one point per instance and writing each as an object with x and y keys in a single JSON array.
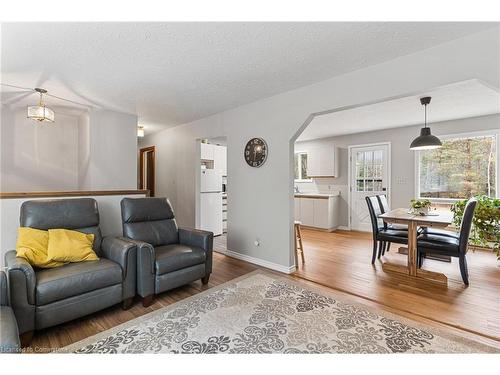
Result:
[
  {"x": 140, "y": 131},
  {"x": 426, "y": 141},
  {"x": 41, "y": 112}
]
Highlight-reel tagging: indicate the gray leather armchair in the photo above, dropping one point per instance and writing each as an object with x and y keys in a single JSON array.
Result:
[
  {"x": 9, "y": 335},
  {"x": 167, "y": 256},
  {"x": 45, "y": 297}
]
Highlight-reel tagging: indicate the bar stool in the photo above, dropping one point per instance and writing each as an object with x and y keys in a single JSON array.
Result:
[{"x": 298, "y": 243}]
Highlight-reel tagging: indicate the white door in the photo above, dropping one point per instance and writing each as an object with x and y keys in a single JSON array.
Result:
[
  {"x": 370, "y": 173},
  {"x": 307, "y": 211},
  {"x": 211, "y": 181}
]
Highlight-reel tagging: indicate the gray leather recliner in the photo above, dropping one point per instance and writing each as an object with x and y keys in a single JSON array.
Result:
[
  {"x": 45, "y": 297},
  {"x": 9, "y": 335},
  {"x": 167, "y": 256}
]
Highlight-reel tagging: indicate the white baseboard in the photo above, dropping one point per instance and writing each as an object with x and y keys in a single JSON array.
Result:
[
  {"x": 258, "y": 261},
  {"x": 343, "y": 227}
]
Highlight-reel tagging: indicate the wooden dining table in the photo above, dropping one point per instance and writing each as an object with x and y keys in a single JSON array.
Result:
[{"x": 436, "y": 219}]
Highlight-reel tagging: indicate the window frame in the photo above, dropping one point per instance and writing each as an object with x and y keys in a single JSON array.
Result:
[
  {"x": 300, "y": 168},
  {"x": 482, "y": 133}
]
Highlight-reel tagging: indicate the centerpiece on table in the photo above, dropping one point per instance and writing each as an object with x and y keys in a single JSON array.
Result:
[{"x": 420, "y": 206}]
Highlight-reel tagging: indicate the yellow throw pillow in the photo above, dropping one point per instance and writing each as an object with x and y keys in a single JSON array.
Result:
[
  {"x": 32, "y": 245},
  {"x": 70, "y": 246}
]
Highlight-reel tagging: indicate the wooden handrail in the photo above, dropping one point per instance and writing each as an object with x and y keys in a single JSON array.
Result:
[{"x": 76, "y": 193}]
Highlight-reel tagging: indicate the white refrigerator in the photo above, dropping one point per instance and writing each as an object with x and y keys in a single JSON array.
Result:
[{"x": 211, "y": 201}]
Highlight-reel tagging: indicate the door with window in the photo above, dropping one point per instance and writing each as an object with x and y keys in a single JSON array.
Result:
[{"x": 369, "y": 176}]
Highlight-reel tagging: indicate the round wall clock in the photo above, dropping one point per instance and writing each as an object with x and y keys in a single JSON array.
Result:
[{"x": 256, "y": 152}]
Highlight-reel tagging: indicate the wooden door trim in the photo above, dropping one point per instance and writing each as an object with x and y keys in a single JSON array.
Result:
[
  {"x": 142, "y": 151},
  {"x": 349, "y": 175}
]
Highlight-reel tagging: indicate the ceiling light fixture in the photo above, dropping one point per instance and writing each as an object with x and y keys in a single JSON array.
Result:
[
  {"x": 140, "y": 131},
  {"x": 426, "y": 141},
  {"x": 41, "y": 112}
]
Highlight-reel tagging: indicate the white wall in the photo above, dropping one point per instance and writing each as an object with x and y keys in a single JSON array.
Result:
[
  {"x": 261, "y": 204},
  {"x": 90, "y": 151},
  {"x": 111, "y": 141},
  {"x": 38, "y": 156},
  {"x": 403, "y": 160}
]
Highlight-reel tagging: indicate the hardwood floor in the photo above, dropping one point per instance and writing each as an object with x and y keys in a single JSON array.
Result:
[{"x": 340, "y": 260}]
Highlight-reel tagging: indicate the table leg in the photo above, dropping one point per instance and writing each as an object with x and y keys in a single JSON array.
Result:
[{"x": 412, "y": 249}]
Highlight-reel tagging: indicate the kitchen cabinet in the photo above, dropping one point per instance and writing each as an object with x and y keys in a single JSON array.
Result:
[
  {"x": 307, "y": 212},
  {"x": 317, "y": 211},
  {"x": 220, "y": 159},
  {"x": 207, "y": 151},
  {"x": 322, "y": 162}
]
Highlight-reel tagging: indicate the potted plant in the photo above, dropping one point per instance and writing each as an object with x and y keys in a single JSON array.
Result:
[
  {"x": 420, "y": 206},
  {"x": 485, "y": 224}
]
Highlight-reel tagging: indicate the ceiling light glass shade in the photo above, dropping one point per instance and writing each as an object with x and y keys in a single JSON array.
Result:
[
  {"x": 426, "y": 141},
  {"x": 140, "y": 131},
  {"x": 41, "y": 113}
]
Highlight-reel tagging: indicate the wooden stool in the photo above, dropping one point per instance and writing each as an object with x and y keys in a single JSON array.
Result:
[{"x": 298, "y": 243}]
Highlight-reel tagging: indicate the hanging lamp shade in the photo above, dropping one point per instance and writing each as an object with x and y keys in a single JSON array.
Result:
[
  {"x": 425, "y": 141},
  {"x": 41, "y": 112},
  {"x": 140, "y": 131}
]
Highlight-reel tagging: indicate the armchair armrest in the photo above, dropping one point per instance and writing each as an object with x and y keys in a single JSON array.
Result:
[
  {"x": 145, "y": 266},
  {"x": 196, "y": 237},
  {"x": 202, "y": 239},
  {"x": 22, "y": 281},
  {"x": 118, "y": 249},
  {"x": 125, "y": 254},
  {"x": 19, "y": 267},
  {"x": 4, "y": 294}
]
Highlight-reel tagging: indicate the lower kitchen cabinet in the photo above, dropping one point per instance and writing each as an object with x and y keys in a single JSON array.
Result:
[{"x": 317, "y": 212}]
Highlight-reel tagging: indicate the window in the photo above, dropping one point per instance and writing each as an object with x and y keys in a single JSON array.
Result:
[
  {"x": 369, "y": 170},
  {"x": 301, "y": 167},
  {"x": 463, "y": 167}
]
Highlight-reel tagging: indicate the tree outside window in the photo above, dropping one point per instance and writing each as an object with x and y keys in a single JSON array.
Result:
[
  {"x": 462, "y": 168},
  {"x": 301, "y": 166}
]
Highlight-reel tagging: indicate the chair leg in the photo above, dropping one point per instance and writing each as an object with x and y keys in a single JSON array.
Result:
[
  {"x": 380, "y": 245},
  {"x": 420, "y": 259},
  {"x": 148, "y": 300},
  {"x": 301, "y": 247},
  {"x": 374, "y": 255},
  {"x": 388, "y": 246},
  {"x": 25, "y": 338},
  {"x": 463, "y": 269},
  {"x": 205, "y": 279},
  {"x": 126, "y": 303}
]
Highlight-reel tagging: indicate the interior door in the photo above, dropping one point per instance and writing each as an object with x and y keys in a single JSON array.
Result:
[
  {"x": 369, "y": 176},
  {"x": 147, "y": 169}
]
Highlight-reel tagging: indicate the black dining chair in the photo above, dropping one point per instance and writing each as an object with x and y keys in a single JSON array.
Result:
[
  {"x": 381, "y": 233},
  {"x": 384, "y": 207},
  {"x": 447, "y": 245}
]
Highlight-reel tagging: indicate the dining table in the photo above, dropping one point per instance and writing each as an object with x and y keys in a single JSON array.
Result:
[{"x": 435, "y": 219}]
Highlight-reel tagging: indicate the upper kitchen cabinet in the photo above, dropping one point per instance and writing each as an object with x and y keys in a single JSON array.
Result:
[
  {"x": 323, "y": 162},
  {"x": 207, "y": 151},
  {"x": 220, "y": 159}
]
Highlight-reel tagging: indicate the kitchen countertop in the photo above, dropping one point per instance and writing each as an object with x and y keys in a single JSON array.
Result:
[{"x": 317, "y": 195}]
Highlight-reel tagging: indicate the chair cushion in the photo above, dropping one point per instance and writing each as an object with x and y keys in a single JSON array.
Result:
[
  {"x": 392, "y": 235},
  {"x": 75, "y": 278},
  {"x": 437, "y": 244},
  {"x": 174, "y": 257},
  {"x": 440, "y": 232}
]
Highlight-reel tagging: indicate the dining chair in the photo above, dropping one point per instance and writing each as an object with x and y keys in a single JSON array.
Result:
[
  {"x": 384, "y": 207},
  {"x": 447, "y": 245},
  {"x": 381, "y": 233}
]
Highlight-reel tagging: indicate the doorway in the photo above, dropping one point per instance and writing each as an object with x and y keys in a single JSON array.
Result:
[
  {"x": 147, "y": 169},
  {"x": 369, "y": 174}
]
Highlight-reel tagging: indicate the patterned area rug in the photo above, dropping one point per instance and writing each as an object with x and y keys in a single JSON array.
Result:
[{"x": 264, "y": 313}]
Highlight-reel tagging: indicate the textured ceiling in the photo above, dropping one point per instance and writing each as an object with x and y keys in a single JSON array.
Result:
[
  {"x": 461, "y": 100},
  {"x": 172, "y": 73}
]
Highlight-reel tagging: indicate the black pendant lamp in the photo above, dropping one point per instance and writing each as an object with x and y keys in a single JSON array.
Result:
[{"x": 426, "y": 141}]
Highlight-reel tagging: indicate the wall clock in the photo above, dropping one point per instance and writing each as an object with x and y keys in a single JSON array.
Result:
[{"x": 256, "y": 152}]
